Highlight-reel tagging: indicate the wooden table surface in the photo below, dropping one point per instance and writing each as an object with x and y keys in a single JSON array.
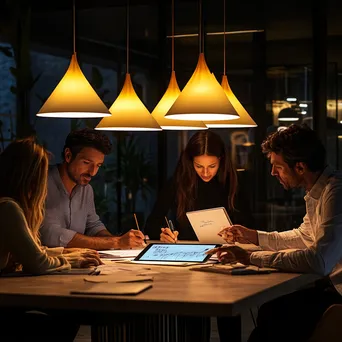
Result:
[{"x": 175, "y": 290}]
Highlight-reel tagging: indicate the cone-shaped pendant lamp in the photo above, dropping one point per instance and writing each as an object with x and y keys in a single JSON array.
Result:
[
  {"x": 164, "y": 105},
  {"x": 202, "y": 97},
  {"x": 245, "y": 120},
  {"x": 170, "y": 96},
  {"x": 74, "y": 97},
  {"x": 128, "y": 112}
]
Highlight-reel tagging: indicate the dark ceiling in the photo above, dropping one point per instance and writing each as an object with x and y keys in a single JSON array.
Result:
[{"x": 101, "y": 30}]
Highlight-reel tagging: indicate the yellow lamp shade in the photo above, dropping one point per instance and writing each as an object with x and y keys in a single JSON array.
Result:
[
  {"x": 128, "y": 112},
  {"x": 170, "y": 96},
  {"x": 74, "y": 97},
  {"x": 202, "y": 98},
  {"x": 244, "y": 121}
]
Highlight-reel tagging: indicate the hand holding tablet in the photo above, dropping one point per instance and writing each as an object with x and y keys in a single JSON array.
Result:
[{"x": 208, "y": 223}]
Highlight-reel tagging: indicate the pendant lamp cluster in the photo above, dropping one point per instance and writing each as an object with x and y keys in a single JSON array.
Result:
[
  {"x": 171, "y": 96},
  {"x": 203, "y": 102}
]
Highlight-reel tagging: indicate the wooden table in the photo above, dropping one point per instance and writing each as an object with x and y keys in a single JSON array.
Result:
[{"x": 176, "y": 291}]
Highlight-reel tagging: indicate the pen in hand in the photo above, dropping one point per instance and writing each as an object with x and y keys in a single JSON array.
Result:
[
  {"x": 171, "y": 227},
  {"x": 137, "y": 224}
]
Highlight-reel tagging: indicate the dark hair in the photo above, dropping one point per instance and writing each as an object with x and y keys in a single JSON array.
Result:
[
  {"x": 86, "y": 137},
  {"x": 297, "y": 143},
  {"x": 202, "y": 143}
]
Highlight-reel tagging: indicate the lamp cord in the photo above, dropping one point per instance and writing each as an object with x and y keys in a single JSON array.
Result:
[
  {"x": 127, "y": 30},
  {"x": 224, "y": 37},
  {"x": 200, "y": 26},
  {"x": 74, "y": 26},
  {"x": 173, "y": 38}
]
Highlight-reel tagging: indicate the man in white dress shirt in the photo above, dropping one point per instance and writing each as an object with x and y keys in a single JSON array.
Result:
[{"x": 298, "y": 158}]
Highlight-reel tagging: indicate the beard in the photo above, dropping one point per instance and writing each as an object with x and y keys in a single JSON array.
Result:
[{"x": 78, "y": 180}]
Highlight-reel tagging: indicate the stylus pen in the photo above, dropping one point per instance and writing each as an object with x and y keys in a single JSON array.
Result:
[
  {"x": 137, "y": 224},
  {"x": 170, "y": 225}
]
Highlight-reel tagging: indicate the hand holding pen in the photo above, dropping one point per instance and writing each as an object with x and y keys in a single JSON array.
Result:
[{"x": 169, "y": 234}]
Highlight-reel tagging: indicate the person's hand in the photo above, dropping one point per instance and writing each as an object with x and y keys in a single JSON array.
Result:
[
  {"x": 132, "y": 239},
  {"x": 241, "y": 234},
  {"x": 68, "y": 250},
  {"x": 167, "y": 235},
  {"x": 231, "y": 254},
  {"x": 83, "y": 258}
]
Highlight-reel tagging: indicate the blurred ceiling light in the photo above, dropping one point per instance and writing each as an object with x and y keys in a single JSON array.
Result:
[
  {"x": 202, "y": 97},
  {"x": 303, "y": 105},
  {"x": 128, "y": 112},
  {"x": 73, "y": 97},
  {"x": 288, "y": 114},
  {"x": 170, "y": 96},
  {"x": 291, "y": 99}
]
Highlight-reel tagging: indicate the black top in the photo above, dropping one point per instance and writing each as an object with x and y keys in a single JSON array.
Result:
[{"x": 209, "y": 195}]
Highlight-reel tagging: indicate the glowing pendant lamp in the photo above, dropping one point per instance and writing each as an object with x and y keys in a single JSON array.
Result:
[
  {"x": 74, "y": 97},
  {"x": 128, "y": 112},
  {"x": 170, "y": 97},
  {"x": 244, "y": 120},
  {"x": 202, "y": 97}
]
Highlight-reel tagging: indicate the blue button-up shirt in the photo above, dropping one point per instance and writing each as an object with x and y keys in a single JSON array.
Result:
[{"x": 65, "y": 214}]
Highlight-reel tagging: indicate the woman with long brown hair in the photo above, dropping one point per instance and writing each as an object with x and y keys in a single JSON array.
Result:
[
  {"x": 23, "y": 188},
  {"x": 205, "y": 177}
]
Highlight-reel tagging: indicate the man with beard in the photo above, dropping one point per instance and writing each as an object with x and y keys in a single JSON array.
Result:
[
  {"x": 70, "y": 217},
  {"x": 298, "y": 158}
]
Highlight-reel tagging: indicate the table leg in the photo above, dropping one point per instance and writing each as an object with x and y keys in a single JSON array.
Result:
[{"x": 153, "y": 328}]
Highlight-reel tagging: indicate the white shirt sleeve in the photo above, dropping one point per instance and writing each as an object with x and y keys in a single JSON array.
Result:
[
  {"x": 298, "y": 238},
  {"x": 325, "y": 251}
]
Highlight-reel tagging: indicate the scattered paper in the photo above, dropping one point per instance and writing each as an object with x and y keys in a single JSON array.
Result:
[
  {"x": 147, "y": 273},
  {"x": 111, "y": 269},
  {"x": 118, "y": 279}
]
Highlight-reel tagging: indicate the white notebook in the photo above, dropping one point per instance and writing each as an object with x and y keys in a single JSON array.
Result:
[{"x": 208, "y": 223}]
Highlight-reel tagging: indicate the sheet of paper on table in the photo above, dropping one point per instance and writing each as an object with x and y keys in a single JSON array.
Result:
[{"x": 119, "y": 254}]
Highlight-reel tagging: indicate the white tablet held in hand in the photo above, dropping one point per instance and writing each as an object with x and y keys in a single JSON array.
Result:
[{"x": 208, "y": 223}]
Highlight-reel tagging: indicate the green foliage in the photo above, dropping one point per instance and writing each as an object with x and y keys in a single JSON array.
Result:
[{"x": 137, "y": 173}]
